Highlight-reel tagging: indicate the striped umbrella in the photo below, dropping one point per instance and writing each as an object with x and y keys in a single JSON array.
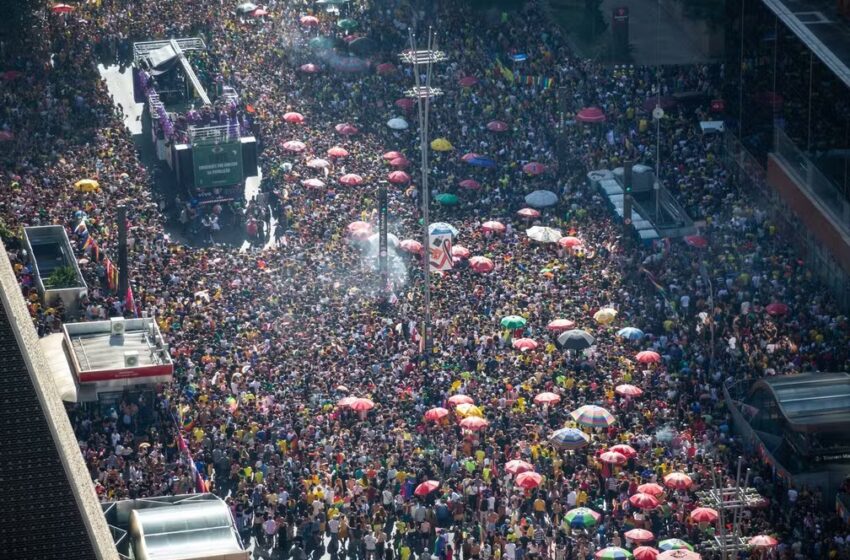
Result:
[
  {"x": 436, "y": 414},
  {"x": 626, "y": 450},
  {"x": 646, "y": 553},
  {"x": 627, "y": 390},
  {"x": 605, "y": 315},
  {"x": 644, "y": 501},
  {"x": 582, "y": 518},
  {"x": 639, "y": 535},
  {"x": 576, "y": 339},
  {"x": 593, "y": 416},
  {"x": 648, "y": 357},
  {"x": 517, "y": 466},
  {"x": 674, "y": 544},
  {"x": 528, "y": 480},
  {"x": 569, "y": 439},
  {"x": 651, "y": 488},
  {"x": 630, "y": 333},
  {"x": 704, "y": 515},
  {"x": 455, "y": 400},
  {"x": 613, "y": 553},
  {"x": 678, "y": 481},
  {"x": 763, "y": 541},
  {"x": 679, "y": 554},
  {"x": 613, "y": 458}
]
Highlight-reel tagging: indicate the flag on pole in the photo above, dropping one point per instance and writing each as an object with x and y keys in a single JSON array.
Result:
[
  {"x": 130, "y": 302},
  {"x": 440, "y": 251}
]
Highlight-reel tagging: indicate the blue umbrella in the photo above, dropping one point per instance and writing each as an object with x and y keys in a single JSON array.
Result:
[
  {"x": 569, "y": 438},
  {"x": 482, "y": 162},
  {"x": 630, "y": 333},
  {"x": 519, "y": 57}
]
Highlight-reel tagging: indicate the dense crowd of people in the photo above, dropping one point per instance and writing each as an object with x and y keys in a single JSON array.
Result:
[{"x": 268, "y": 340}]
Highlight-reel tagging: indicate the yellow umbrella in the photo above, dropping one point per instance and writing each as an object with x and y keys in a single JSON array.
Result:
[
  {"x": 467, "y": 409},
  {"x": 605, "y": 315},
  {"x": 441, "y": 145},
  {"x": 86, "y": 185}
]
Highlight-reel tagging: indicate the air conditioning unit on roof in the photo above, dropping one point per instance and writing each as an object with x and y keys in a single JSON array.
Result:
[
  {"x": 131, "y": 359},
  {"x": 117, "y": 326}
]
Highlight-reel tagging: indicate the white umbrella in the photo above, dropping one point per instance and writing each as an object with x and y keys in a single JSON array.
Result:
[
  {"x": 245, "y": 8},
  {"x": 544, "y": 234},
  {"x": 541, "y": 199},
  {"x": 442, "y": 227},
  {"x": 392, "y": 240},
  {"x": 397, "y": 123}
]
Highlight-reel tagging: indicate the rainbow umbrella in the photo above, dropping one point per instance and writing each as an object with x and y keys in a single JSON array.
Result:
[
  {"x": 613, "y": 553},
  {"x": 593, "y": 416},
  {"x": 582, "y": 518},
  {"x": 674, "y": 544},
  {"x": 569, "y": 439}
]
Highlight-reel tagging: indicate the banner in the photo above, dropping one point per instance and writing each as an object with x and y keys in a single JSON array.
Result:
[{"x": 440, "y": 251}]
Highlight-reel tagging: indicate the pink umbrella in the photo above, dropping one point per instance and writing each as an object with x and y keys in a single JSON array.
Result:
[
  {"x": 648, "y": 357},
  {"x": 309, "y": 68},
  {"x": 436, "y": 414},
  {"x": 346, "y": 402},
  {"x": 351, "y": 179},
  {"x": 644, "y": 501},
  {"x": 460, "y": 252},
  {"x": 497, "y": 126},
  {"x": 358, "y": 225},
  {"x": 678, "y": 481},
  {"x": 405, "y": 103},
  {"x": 524, "y": 344},
  {"x": 398, "y": 177},
  {"x": 309, "y": 21},
  {"x": 346, "y": 129},
  {"x": 385, "y": 69},
  {"x": 471, "y": 155},
  {"x": 528, "y": 213},
  {"x": 639, "y": 535},
  {"x": 426, "y": 488},
  {"x": 651, "y": 488},
  {"x": 528, "y": 480},
  {"x": 468, "y": 81},
  {"x": 517, "y": 466},
  {"x": 547, "y": 398},
  {"x": 400, "y": 162},
  {"x": 411, "y": 246},
  {"x": 646, "y": 553},
  {"x": 481, "y": 264},
  {"x": 337, "y": 152},
  {"x": 455, "y": 400},
  {"x": 61, "y": 9},
  {"x": 313, "y": 183},
  {"x": 697, "y": 241},
  {"x": 559, "y": 325},
  {"x": 294, "y": 146},
  {"x": 678, "y": 554},
  {"x": 704, "y": 515},
  {"x": 493, "y": 226},
  {"x": 613, "y": 458},
  {"x": 389, "y": 156},
  {"x": 591, "y": 115},
  {"x": 569, "y": 242},
  {"x": 470, "y": 184},
  {"x": 626, "y": 451},
  {"x": 776, "y": 309},
  {"x": 361, "y": 405},
  {"x": 765, "y": 541},
  {"x": 627, "y": 390},
  {"x": 318, "y": 163},
  {"x": 474, "y": 423},
  {"x": 293, "y": 118},
  {"x": 260, "y": 12},
  {"x": 534, "y": 168}
]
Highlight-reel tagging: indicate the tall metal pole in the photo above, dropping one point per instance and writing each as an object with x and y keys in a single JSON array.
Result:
[
  {"x": 382, "y": 237},
  {"x": 123, "y": 271}
]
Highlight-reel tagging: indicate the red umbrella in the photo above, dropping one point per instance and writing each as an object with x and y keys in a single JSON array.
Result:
[
  {"x": 385, "y": 69},
  {"x": 474, "y": 423},
  {"x": 591, "y": 115},
  {"x": 628, "y": 390},
  {"x": 361, "y": 405},
  {"x": 547, "y": 398},
  {"x": 481, "y": 264},
  {"x": 644, "y": 501},
  {"x": 497, "y": 126},
  {"x": 346, "y": 129},
  {"x": 398, "y": 177},
  {"x": 293, "y": 118},
  {"x": 494, "y": 226},
  {"x": 294, "y": 146},
  {"x": 468, "y": 81},
  {"x": 436, "y": 414},
  {"x": 470, "y": 184},
  {"x": 697, "y": 241},
  {"x": 534, "y": 168},
  {"x": 524, "y": 344},
  {"x": 569, "y": 242},
  {"x": 626, "y": 451},
  {"x": 309, "y": 68},
  {"x": 411, "y": 246},
  {"x": 309, "y": 21},
  {"x": 313, "y": 183},
  {"x": 517, "y": 466},
  {"x": 61, "y": 9},
  {"x": 559, "y": 325},
  {"x": 678, "y": 554},
  {"x": 528, "y": 480},
  {"x": 645, "y": 553},
  {"x": 651, "y": 488},
  {"x": 400, "y": 162},
  {"x": 338, "y": 152},
  {"x": 776, "y": 309},
  {"x": 762, "y": 541},
  {"x": 389, "y": 156},
  {"x": 613, "y": 458},
  {"x": 426, "y": 488},
  {"x": 639, "y": 535},
  {"x": 460, "y": 251},
  {"x": 471, "y": 155},
  {"x": 455, "y": 400},
  {"x": 704, "y": 515},
  {"x": 351, "y": 179},
  {"x": 648, "y": 357},
  {"x": 528, "y": 213},
  {"x": 405, "y": 103},
  {"x": 346, "y": 401},
  {"x": 678, "y": 481}
]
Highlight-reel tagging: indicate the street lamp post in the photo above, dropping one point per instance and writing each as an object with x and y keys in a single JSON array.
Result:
[{"x": 424, "y": 59}]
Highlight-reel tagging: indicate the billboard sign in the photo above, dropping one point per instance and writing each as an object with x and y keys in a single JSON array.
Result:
[{"x": 217, "y": 165}]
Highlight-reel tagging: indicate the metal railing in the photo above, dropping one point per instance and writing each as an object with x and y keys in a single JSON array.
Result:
[{"x": 213, "y": 134}]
